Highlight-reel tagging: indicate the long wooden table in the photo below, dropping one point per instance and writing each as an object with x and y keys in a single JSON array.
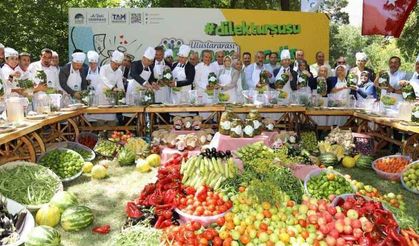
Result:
[{"x": 28, "y": 141}]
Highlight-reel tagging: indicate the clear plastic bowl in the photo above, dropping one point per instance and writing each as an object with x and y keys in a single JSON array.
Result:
[
  {"x": 204, "y": 220},
  {"x": 402, "y": 181},
  {"x": 385, "y": 175},
  {"x": 317, "y": 172}
]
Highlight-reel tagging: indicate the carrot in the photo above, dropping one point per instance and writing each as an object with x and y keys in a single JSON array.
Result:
[{"x": 406, "y": 236}]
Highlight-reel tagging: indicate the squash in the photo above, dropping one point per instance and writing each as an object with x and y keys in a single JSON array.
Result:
[{"x": 48, "y": 215}]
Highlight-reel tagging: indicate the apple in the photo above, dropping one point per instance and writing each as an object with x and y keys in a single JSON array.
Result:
[
  {"x": 303, "y": 209},
  {"x": 340, "y": 242},
  {"x": 347, "y": 221},
  {"x": 357, "y": 233},
  {"x": 367, "y": 227},
  {"x": 334, "y": 233},
  {"x": 331, "y": 210},
  {"x": 332, "y": 197},
  {"x": 328, "y": 217},
  {"x": 331, "y": 241},
  {"x": 322, "y": 207},
  {"x": 324, "y": 229},
  {"x": 347, "y": 229},
  {"x": 352, "y": 213},
  {"x": 339, "y": 216},
  {"x": 347, "y": 205},
  {"x": 356, "y": 223},
  {"x": 313, "y": 207},
  {"x": 312, "y": 219},
  {"x": 322, "y": 221},
  {"x": 339, "y": 225}
]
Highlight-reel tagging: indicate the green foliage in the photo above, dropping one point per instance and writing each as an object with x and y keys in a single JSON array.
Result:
[
  {"x": 408, "y": 41},
  {"x": 334, "y": 8}
]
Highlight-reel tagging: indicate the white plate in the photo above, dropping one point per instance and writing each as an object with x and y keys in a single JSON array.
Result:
[
  {"x": 68, "y": 109},
  {"x": 76, "y": 105},
  {"x": 36, "y": 117},
  {"x": 105, "y": 106},
  {"x": 14, "y": 207},
  {"x": 55, "y": 113},
  {"x": 13, "y": 164},
  {"x": 121, "y": 106}
]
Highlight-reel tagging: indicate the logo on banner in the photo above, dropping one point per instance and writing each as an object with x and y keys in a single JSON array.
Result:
[
  {"x": 119, "y": 18},
  {"x": 96, "y": 18},
  {"x": 79, "y": 18}
]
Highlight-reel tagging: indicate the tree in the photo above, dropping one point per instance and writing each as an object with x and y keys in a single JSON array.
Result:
[
  {"x": 408, "y": 41},
  {"x": 334, "y": 8}
]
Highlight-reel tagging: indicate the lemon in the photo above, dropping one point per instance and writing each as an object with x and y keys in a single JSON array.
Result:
[{"x": 348, "y": 161}]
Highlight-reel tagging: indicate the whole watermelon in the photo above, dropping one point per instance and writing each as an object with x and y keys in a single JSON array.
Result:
[
  {"x": 126, "y": 157},
  {"x": 43, "y": 236},
  {"x": 328, "y": 159},
  {"x": 64, "y": 200},
  {"x": 364, "y": 161},
  {"x": 76, "y": 218}
]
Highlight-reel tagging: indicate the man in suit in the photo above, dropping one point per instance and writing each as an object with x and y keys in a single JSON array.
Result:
[
  {"x": 72, "y": 78},
  {"x": 286, "y": 68},
  {"x": 141, "y": 70}
]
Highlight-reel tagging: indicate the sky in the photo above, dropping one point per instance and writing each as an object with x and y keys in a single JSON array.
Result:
[{"x": 354, "y": 9}]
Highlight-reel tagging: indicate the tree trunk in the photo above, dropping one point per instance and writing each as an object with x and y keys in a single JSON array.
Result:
[{"x": 285, "y": 5}]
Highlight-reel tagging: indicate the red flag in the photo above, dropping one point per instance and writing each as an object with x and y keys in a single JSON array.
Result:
[{"x": 386, "y": 17}]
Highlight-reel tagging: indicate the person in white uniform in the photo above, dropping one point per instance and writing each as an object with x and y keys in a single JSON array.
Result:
[
  {"x": 72, "y": 78},
  {"x": 168, "y": 56},
  {"x": 92, "y": 76},
  {"x": 110, "y": 78},
  {"x": 162, "y": 94},
  {"x": 299, "y": 56},
  {"x": 183, "y": 74},
  {"x": 55, "y": 60},
  {"x": 414, "y": 80},
  {"x": 202, "y": 70},
  {"x": 142, "y": 74},
  {"x": 9, "y": 71},
  {"x": 23, "y": 68},
  {"x": 1, "y": 55},
  {"x": 361, "y": 62},
  {"x": 253, "y": 71},
  {"x": 44, "y": 64},
  {"x": 218, "y": 64},
  {"x": 291, "y": 84},
  {"x": 228, "y": 78}
]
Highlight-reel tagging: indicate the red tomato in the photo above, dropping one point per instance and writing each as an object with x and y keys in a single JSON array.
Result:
[
  {"x": 263, "y": 227},
  {"x": 222, "y": 208},
  {"x": 217, "y": 241},
  {"x": 211, "y": 208},
  {"x": 207, "y": 213},
  {"x": 207, "y": 235},
  {"x": 305, "y": 234},
  {"x": 200, "y": 210},
  {"x": 229, "y": 204},
  {"x": 190, "y": 201},
  {"x": 196, "y": 225},
  {"x": 227, "y": 241},
  {"x": 203, "y": 241},
  {"x": 220, "y": 202},
  {"x": 302, "y": 222},
  {"x": 189, "y": 227},
  {"x": 221, "y": 221}
]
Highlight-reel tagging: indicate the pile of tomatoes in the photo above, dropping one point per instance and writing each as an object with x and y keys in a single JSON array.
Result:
[
  {"x": 204, "y": 203},
  {"x": 192, "y": 233}
]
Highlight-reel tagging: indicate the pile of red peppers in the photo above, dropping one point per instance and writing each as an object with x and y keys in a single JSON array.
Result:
[{"x": 163, "y": 195}]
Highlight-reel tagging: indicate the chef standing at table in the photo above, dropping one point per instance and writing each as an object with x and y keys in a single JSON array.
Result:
[
  {"x": 110, "y": 78},
  {"x": 93, "y": 69},
  {"x": 228, "y": 78},
  {"x": 142, "y": 74},
  {"x": 72, "y": 78},
  {"x": 162, "y": 94},
  {"x": 414, "y": 80},
  {"x": 183, "y": 74}
]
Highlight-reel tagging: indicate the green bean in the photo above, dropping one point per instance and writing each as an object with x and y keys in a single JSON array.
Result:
[{"x": 29, "y": 185}]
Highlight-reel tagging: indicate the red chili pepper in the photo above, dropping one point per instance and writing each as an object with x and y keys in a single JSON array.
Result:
[
  {"x": 132, "y": 211},
  {"x": 169, "y": 196},
  {"x": 365, "y": 241},
  {"x": 159, "y": 221},
  {"x": 166, "y": 223},
  {"x": 190, "y": 190},
  {"x": 105, "y": 229}
]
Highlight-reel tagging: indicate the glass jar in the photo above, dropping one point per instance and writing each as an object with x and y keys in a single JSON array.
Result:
[
  {"x": 254, "y": 115},
  {"x": 248, "y": 130},
  {"x": 149, "y": 97},
  {"x": 236, "y": 130},
  {"x": 225, "y": 122}
]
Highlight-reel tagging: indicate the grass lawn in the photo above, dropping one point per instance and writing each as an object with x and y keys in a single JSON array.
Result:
[{"x": 107, "y": 199}]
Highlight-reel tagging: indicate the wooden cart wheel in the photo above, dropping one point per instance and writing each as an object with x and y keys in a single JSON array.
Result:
[
  {"x": 411, "y": 147},
  {"x": 68, "y": 132},
  {"x": 38, "y": 143},
  {"x": 19, "y": 149}
]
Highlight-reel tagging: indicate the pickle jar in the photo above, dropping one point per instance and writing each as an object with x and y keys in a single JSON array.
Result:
[
  {"x": 248, "y": 130},
  {"x": 236, "y": 130},
  {"x": 254, "y": 115},
  {"x": 225, "y": 122}
]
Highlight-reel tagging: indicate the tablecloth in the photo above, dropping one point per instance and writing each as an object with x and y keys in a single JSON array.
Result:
[{"x": 223, "y": 143}]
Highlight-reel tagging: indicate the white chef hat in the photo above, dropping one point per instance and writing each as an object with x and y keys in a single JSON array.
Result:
[
  {"x": 168, "y": 53},
  {"x": 417, "y": 59},
  {"x": 150, "y": 53},
  {"x": 54, "y": 53},
  {"x": 184, "y": 50},
  {"x": 285, "y": 54},
  {"x": 8, "y": 52},
  {"x": 1, "y": 46},
  {"x": 78, "y": 57},
  {"x": 117, "y": 56},
  {"x": 361, "y": 56},
  {"x": 92, "y": 56}
]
